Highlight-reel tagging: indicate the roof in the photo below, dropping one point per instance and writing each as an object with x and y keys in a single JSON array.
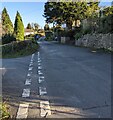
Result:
[{"x": 28, "y": 30}]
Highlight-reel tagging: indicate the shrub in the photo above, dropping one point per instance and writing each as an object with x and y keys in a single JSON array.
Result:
[
  {"x": 49, "y": 35},
  {"x": 7, "y": 38},
  {"x": 106, "y": 24},
  {"x": 78, "y": 35},
  {"x": 87, "y": 31},
  {"x": 17, "y": 46}
]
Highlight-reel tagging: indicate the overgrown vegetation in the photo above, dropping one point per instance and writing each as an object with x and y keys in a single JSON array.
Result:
[
  {"x": 59, "y": 13},
  {"x": 4, "y": 111},
  {"x": 7, "y": 38},
  {"x": 19, "y": 48}
]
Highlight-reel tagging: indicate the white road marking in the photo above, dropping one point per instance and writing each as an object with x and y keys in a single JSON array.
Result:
[
  {"x": 28, "y": 74},
  {"x": 28, "y": 82},
  {"x": 44, "y": 108},
  {"x": 3, "y": 70},
  {"x": 26, "y": 93},
  {"x": 30, "y": 68},
  {"x": 39, "y": 59},
  {"x": 39, "y": 67},
  {"x": 33, "y": 55},
  {"x": 30, "y": 64},
  {"x": 41, "y": 79},
  {"x": 39, "y": 63},
  {"x": 40, "y": 73},
  {"x": 22, "y": 111},
  {"x": 42, "y": 91}
]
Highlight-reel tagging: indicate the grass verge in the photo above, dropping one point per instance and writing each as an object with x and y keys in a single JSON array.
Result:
[{"x": 4, "y": 114}]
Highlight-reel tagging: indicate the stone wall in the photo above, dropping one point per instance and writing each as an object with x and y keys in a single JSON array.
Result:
[
  {"x": 96, "y": 41},
  {"x": 65, "y": 39}
]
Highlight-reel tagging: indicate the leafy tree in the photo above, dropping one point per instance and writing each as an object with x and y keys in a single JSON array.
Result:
[
  {"x": 19, "y": 27},
  {"x": 36, "y": 26},
  {"x": 46, "y": 27},
  {"x": 67, "y": 12},
  {"x": 107, "y": 11},
  {"x": 29, "y": 26},
  {"x": 6, "y": 22}
]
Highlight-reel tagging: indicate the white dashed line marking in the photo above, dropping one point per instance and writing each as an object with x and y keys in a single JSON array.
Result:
[
  {"x": 30, "y": 64},
  {"x": 26, "y": 93},
  {"x": 28, "y": 82},
  {"x": 40, "y": 73},
  {"x": 30, "y": 68},
  {"x": 44, "y": 108},
  {"x": 40, "y": 67},
  {"x": 41, "y": 79},
  {"x": 28, "y": 74},
  {"x": 39, "y": 63},
  {"x": 22, "y": 111},
  {"x": 42, "y": 91}
]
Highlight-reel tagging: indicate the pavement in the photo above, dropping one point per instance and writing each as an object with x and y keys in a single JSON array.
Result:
[{"x": 58, "y": 81}]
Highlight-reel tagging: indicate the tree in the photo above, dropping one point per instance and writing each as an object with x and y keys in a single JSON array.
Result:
[
  {"x": 6, "y": 22},
  {"x": 46, "y": 27},
  {"x": 36, "y": 26},
  {"x": 29, "y": 26},
  {"x": 67, "y": 12},
  {"x": 19, "y": 27}
]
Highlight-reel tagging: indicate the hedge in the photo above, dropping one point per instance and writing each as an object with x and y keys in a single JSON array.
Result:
[{"x": 16, "y": 46}]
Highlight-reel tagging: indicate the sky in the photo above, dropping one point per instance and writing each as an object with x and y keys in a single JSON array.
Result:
[{"x": 31, "y": 12}]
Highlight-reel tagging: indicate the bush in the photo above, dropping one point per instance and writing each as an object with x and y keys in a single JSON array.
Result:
[
  {"x": 49, "y": 35},
  {"x": 78, "y": 35},
  {"x": 17, "y": 46},
  {"x": 87, "y": 31},
  {"x": 7, "y": 38},
  {"x": 106, "y": 24}
]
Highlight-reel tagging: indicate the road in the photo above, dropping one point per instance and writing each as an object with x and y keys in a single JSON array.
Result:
[{"x": 58, "y": 81}]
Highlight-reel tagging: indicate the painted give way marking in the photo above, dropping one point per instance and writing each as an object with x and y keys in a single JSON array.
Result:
[
  {"x": 22, "y": 111},
  {"x": 45, "y": 108}
]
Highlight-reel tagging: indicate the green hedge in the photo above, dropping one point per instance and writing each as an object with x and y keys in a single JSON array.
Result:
[
  {"x": 7, "y": 38},
  {"x": 17, "y": 46},
  {"x": 106, "y": 24}
]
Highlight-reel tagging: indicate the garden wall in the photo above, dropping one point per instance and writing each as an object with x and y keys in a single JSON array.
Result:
[{"x": 104, "y": 41}]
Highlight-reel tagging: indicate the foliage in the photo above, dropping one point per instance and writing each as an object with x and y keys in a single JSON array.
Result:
[
  {"x": 49, "y": 35},
  {"x": 19, "y": 27},
  {"x": 108, "y": 11},
  {"x": 19, "y": 47},
  {"x": 29, "y": 26},
  {"x": 4, "y": 111},
  {"x": 67, "y": 12},
  {"x": 46, "y": 27},
  {"x": 35, "y": 26},
  {"x": 86, "y": 31},
  {"x": 6, "y": 22},
  {"x": 78, "y": 35},
  {"x": 7, "y": 38},
  {"x": 106, "y": 24}
]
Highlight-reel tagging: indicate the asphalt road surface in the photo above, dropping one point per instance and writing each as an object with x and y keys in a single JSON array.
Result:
[{"x": 58, "y": 81}]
